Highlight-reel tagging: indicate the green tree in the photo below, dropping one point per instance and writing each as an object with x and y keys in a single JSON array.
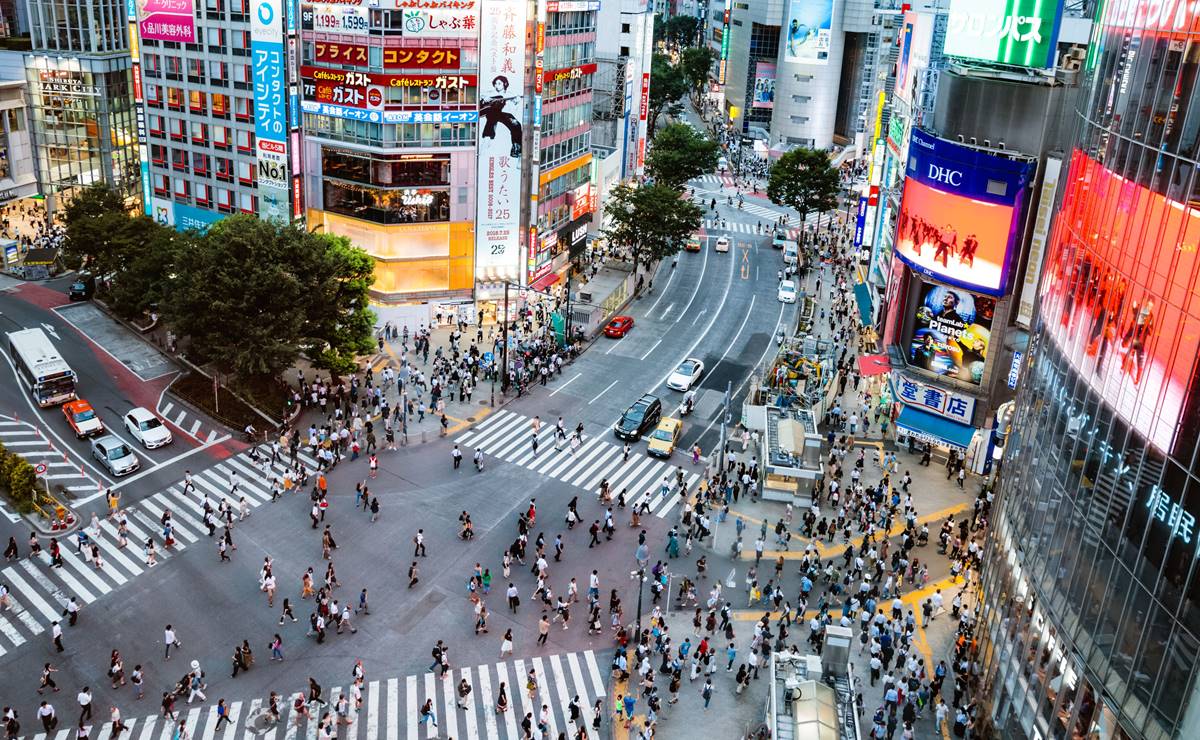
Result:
[
  {"x": 680, "y": 153},
  {"x": 804, "y": 180},
  {"x": 144, "y": 279},
  {"x": 697, "y": 62},
  {"x": 681, "y": 30},
  {"x": 652, "y": 220},
  {"x": 667, "y": 88},
  {"x": 95, "y": 222},
  {"x": 340, "y": 324},
  {"x": 250, "y": 295}
]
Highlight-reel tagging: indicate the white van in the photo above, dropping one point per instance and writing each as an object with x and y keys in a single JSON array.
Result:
[{"x": 791, "y": 254}]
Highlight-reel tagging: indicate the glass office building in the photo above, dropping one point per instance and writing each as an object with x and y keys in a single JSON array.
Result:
[{"x": 1090, "y": 625}]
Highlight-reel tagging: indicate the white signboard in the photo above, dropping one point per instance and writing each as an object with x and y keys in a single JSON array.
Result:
[
  {"x": 350, "y": 19},
  {"x": 501, "y": 125}
]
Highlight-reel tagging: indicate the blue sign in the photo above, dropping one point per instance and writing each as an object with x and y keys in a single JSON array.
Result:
[
  {"x": 860, "y": 221},
  {"x": 390, "y": 116},
  {"x": 190, "y": 217},
  {"x": 1014, "y": 370},
  {"x": 270, "y": 113}
]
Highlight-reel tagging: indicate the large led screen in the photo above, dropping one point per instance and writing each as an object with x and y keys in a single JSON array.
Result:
[
  {"x": 951, "y": 333},
  {"x": 1120, "y": 293},
  {"x": 960, "y": 213}
]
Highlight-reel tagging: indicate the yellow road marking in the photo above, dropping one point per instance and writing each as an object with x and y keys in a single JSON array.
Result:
[
  {"x": 912, "y": 598},
  {"x": 825, "y": 551}
]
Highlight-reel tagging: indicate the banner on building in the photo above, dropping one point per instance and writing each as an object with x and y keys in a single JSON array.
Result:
[
  {"x": 951, "y": 332},
  {"x": 167, "y": 20},
  {"x": 1037, "y": 240},
  {"x": 501, "y": 127},
  {"x": 764, "y": 85},
  {"x": 808, "y": 31},
  {"x": 347, "y": 19},
  {"x": 268, "y": 67},
  {"x": 1023, "y": 33}
]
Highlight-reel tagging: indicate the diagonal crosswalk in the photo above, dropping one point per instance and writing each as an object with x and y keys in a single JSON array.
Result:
[
  {"x": 39, "y": 592},
  {"x": 391, "y": 707},
  {"x": 508, "y": 436}
]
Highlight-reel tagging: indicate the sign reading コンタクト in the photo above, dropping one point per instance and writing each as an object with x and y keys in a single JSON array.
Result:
[{"x": 412, "y": 57}]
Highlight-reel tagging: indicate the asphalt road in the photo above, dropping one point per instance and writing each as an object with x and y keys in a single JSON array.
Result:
[{"x": 718, "y": 307}]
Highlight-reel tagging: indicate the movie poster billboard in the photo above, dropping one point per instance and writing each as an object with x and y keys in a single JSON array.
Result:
[
  {"x": 960, "y": 213},
  {"x": 808, "y": 31},
  {"x": 1117, "y": 288},
  {"x": 501, "y": 122},
  {"x": 951, "y": 332},
  {"x": 764, "y": 85}
]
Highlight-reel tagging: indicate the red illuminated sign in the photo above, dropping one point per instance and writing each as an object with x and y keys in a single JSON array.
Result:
[
  {"x": 570, "y": 73},
  {"x": 1116, "y": 291},
  {"x": 362, "y": 79},
  {"x": 1176, "y": 18},
  {"x": 645, "y": 96},
  {"x": 297, "y": 199},
  {"x": 137, "y": 82},
  {"x": 339, "y": 53}
]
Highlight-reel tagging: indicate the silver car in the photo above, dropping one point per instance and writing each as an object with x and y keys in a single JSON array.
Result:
[{"x": 115, "y": 455}]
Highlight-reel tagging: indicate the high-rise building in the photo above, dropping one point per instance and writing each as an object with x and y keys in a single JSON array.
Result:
[
  {"x": 82, "y": 96},
  {"x": 1091, "y": 620},
  {"x": 217, "y": 120}
]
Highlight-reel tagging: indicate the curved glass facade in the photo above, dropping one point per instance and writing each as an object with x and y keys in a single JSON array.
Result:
[{"x": 1091, "y": 617}]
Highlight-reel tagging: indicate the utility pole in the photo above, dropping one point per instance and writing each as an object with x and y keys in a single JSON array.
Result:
[{"x": 504, "y": 348}]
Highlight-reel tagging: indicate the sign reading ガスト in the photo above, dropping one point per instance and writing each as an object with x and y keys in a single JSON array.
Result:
[{"x": 1023, "y": 33}]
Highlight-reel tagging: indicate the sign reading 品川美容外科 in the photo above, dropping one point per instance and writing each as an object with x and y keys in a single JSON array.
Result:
[{"x": 1023, "y": 33}]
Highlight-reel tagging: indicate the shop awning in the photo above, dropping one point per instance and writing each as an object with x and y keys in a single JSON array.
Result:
[
  {"x": 870, "y": 365},
  {"x": 862, "y": 296},
  {"x": 934, "y": 429},
  {"x": 545, "y": 281}
]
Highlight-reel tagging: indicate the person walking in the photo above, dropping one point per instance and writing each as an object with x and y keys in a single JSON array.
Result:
[{"x": 169, "y": 641}]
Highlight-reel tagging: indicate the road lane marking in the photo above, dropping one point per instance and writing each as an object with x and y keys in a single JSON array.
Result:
[
  {"x": 700, "y": 337},
  {"x": 610, "y": 385},
  {"x": 572, "y": 380},
  {"x": 653, "y": 346}
]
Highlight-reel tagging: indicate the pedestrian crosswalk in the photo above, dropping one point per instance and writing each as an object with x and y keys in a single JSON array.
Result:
[
  {"x": 39, "y": 592},
  {"x": 192, "y": 427},
  {"x": 391, "y": 707},
  {"x": 29, "y": 442},
  {"x": 725, "y": 181},
  {"x": 509, "y": 436},
  {"x": 715, "y": 224}
]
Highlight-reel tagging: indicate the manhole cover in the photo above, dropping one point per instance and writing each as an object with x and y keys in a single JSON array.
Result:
[{"x": 471, "y": 419}]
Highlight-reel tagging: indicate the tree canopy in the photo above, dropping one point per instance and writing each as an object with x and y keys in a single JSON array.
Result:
[
  {"x": 97, "y": 232},
  {"x": 667, "y": 88},
  {"x": 653, "y": 220},
  {"x": 680, "y": 153},
  {"x": 255, "y": 293},
  {"x": 678, "y": 30},
  {"x": 804, "y": 179},
  {"x": 696, "y": 63}
]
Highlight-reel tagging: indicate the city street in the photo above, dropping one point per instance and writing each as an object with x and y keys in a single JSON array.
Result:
[{"x": 719, "y": 307}]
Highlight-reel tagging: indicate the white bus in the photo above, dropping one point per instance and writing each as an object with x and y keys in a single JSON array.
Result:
[{"x": 48, "y": 377}]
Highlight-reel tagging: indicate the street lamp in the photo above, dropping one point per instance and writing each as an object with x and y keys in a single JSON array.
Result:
[{"x": 640, "y": 575}]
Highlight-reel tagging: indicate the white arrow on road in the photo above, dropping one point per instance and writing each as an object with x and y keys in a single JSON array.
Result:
[{"x": 51, "y": 331}]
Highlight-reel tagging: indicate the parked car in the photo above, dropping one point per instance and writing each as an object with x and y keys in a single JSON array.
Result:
[
  {"x": 663, "y": 440},
  {"x": 114, "y": 455},
  {"x": 787, "y": 291},
  {"x": 82, "y": 419},
  {"x": 618, "y": 327},
  {"x": 147, "y": 428},
  {"x": 639, "y": 418},
  {"x": 83, "y": 288}
]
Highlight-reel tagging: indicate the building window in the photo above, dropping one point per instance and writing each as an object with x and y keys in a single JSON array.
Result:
[
  {"x": 220, "y": 105},
  {"x": 203, "y": 194},
  {"x": 224, "y": 169},
  {"x": 199, "y": 133},
  {"x": 245, "y": 142},
  {"x": 179, "y": 160},
  {"x": 183, "y": 189},
  {"x": 174, "y": 98},
  {"x": 224, "y": 200},
  {"x": 387, "y": 205},
  {"x": 243, "y": 109},
  {"x": 197, "y": 102},
  {"x": 199, "y": 166},
  {"x": 162, "y": 184}
]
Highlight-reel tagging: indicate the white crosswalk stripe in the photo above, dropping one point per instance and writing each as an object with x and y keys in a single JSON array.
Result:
[
  {"x": 27, "y": 441},
  {"x": 714, "y": 226},
  {"x": 40, "y": 591},
  {"x": 509, "y": 436}
]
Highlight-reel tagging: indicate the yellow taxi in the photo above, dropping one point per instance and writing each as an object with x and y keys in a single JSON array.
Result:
[{"x": 662, "y": 441}]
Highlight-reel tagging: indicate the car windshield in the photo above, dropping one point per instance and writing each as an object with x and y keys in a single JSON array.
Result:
[
  {"x": 687, "y": 368},
  {"x": 85, "y": 415},
  {"x": 633, "y": 416},
  {"x": 663, "y": 434},
  {"x": 149, "y": 424},
  {"x": 78, "y": 286},
  {"x": 118, "y": 452}
]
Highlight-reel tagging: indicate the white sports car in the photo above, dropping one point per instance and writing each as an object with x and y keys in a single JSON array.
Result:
[{"x": 686, "y": 375}]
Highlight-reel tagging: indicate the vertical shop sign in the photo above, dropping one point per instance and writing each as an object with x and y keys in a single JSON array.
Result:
[
  {"x": 270, "y": 109},
  {"x": 501, "y": 126}
]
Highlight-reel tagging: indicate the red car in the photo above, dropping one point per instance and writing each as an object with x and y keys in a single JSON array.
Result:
[{"x": 618, "y": 327}]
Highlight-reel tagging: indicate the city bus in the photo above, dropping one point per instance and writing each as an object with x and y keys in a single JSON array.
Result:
[{"x": 48, "y": 377}]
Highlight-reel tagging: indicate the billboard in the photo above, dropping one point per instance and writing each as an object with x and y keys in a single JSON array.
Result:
[
  {"x": 268, "y": 66},
  {"x": 502, "y": 112},
  {"x": 167, "y": 20},
  {"x": 1117, "y": 295},
  {"x": 348, "y": 19},
  {"x": 807, "y": 30},
  {"x": 447, "y": 22},
  {"x": 1023, "y": 33},
  {"x": 764, "y": 85},
  {"x": 916, "y": 36},
  {"x": 960, "y": 213},
  {"x": 951, "y": 332}
]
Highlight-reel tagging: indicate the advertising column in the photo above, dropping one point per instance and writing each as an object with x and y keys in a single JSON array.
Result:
[
  {"x": 139, "y": 102},
  {"x": 501, "y": 113},
  {"x": 270, "y": 108},
  {"x": 535, "y": 159}
]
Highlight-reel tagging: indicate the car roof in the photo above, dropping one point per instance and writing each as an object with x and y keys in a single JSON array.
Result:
[
  {"x": 669, "y": 423},
  {"x": 108, "y": 440},
  {"x": 787, "y": 284},
  {"x": 78, "y": 404},
  {"x": 141, "y": 413}
]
